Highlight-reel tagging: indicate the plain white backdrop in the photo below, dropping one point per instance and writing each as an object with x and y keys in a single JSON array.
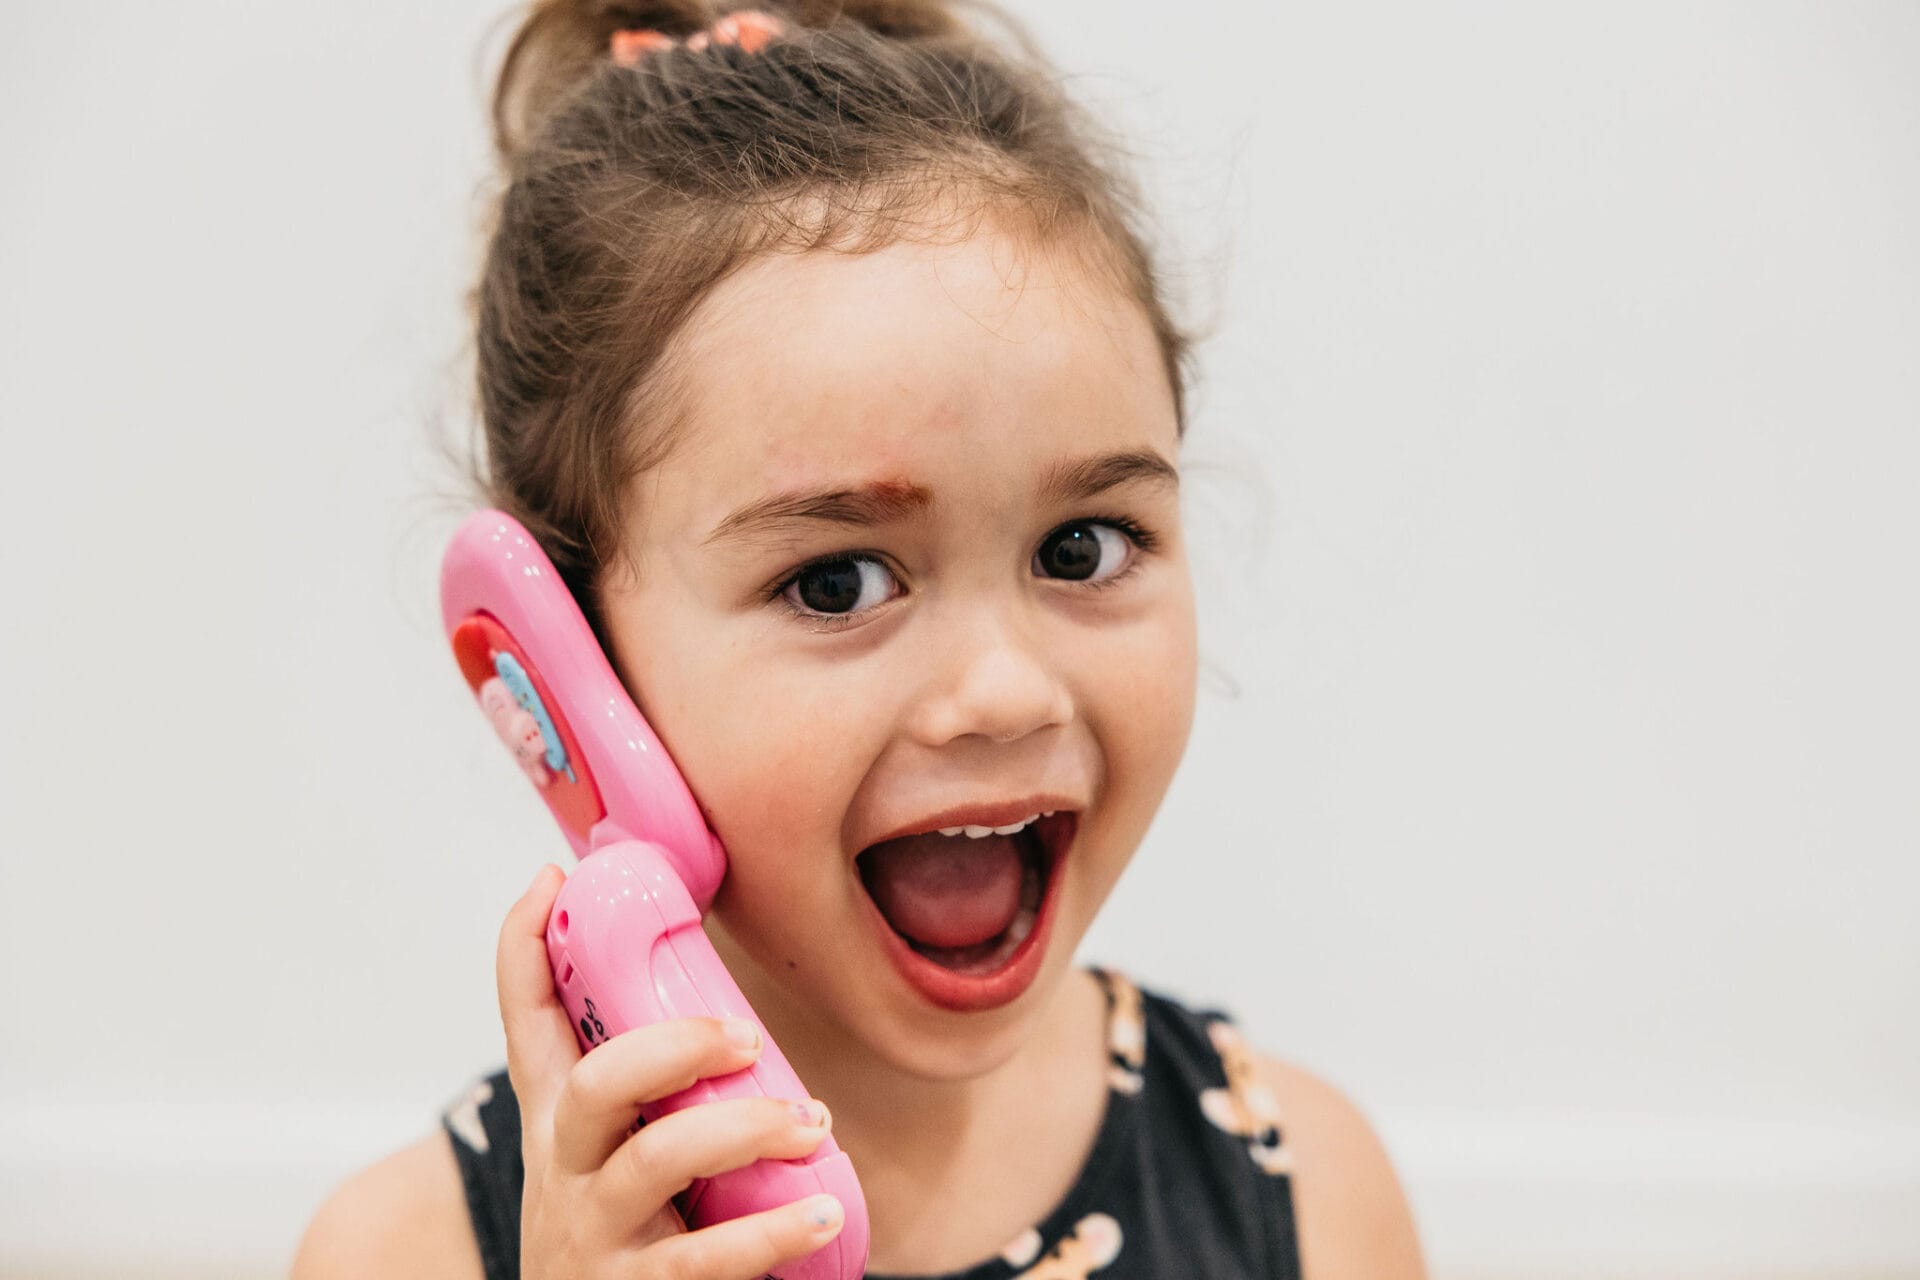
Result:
[{"x": 1556, "y": 782}]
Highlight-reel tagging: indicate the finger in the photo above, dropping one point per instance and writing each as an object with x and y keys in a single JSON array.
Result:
[
  {"x": 748, "y": 1248},
  {"x": 541, "y": 1049},
  {"x": 704, "y": 1141},
  {"x": 603, "y": 1091}
]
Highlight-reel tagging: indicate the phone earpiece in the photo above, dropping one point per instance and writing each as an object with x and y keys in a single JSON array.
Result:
[{"x": 566, "y": 718}]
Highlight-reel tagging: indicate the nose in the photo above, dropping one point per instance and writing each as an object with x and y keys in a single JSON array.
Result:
[{"x": 993, "y": 682}]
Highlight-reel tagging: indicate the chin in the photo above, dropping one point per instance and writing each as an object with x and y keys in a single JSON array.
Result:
[
  {"x": 947, "y": 1047},
  {"x": 855, "y": 998}
]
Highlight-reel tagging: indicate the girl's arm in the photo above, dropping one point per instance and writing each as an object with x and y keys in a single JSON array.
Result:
[
  {"x": 1352, "y": 1216},
  {"x": 405, "y": 1216}
]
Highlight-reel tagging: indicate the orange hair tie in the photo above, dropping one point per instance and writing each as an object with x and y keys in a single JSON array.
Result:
[
  {"x": 750, "y": 29},
  {"x": 630, "y": 46}
]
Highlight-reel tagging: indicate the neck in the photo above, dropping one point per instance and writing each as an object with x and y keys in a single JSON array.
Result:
[
  {"x": 888, "y": 1112},
  {"x": 922, "y": 1144}
]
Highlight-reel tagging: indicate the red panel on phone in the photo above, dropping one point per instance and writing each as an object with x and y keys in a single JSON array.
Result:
[{"x": 575, "y": 801}]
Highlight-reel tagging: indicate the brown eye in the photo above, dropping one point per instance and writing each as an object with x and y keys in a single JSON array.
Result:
[
  {"x": 839, "y": 586},
  {"x": 1088, "y": 551}
]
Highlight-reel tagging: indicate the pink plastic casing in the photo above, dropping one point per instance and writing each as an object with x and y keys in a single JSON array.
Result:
[{"x": 624, "y": 937}]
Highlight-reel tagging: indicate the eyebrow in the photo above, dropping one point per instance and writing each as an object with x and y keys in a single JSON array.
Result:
[
  {"x": 886, "y": 501},
  {"x": 1076, "y": 481}
]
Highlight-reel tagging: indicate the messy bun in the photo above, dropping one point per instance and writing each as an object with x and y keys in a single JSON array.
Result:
[
  {"x": 632, "y": 186},
  {"x": 562, "y": 42}
]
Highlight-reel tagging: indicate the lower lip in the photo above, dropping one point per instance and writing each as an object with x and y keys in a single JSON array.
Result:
[{"x": 972, "y": 992}]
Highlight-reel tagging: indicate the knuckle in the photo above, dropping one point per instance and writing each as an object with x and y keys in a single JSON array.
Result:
[
  {"x": 646, "y": 1164},
  {"x": 673, "y": 1150},
  {"x": 680, "y": 1049},
  {"x": 768, "y": 1236},
  {"x": 581, "y": 1089},
  {"x": 683, "y": 1039}
]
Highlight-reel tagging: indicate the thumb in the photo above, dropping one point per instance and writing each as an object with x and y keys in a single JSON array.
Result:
[{"x": 541, "y": 1049}]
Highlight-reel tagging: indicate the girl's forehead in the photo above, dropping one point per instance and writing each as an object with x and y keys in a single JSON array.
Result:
[{"x": 921, "y": 362}]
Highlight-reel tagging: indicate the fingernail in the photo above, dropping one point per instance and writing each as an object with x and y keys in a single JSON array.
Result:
[
  {"x": 743, "y": 1035},
  {"x": 810, "y": 1113},
  {"x": 823, "y": 1213}
]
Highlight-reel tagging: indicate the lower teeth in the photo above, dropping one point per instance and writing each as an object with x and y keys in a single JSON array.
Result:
[{"x": 1022, "y": 926}]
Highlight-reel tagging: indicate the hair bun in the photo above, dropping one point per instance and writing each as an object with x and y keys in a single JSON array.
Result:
[{"x": 561, "y": 43}]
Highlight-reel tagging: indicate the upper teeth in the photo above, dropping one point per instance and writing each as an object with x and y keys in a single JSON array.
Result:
[{"x": 980, "y": 833}]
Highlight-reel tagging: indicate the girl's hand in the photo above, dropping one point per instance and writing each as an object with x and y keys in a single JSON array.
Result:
[{"x": 597, "y": 1201}]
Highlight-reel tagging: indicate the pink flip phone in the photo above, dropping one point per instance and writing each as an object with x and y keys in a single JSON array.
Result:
[{"x": 624, "y": 937}]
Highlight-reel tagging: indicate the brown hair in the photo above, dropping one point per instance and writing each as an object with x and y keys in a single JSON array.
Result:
[{"x": 631, "y": 190}]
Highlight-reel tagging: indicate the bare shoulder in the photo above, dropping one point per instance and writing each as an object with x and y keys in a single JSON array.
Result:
[
  {"x": 403, "y": 1216},
  {"x": 1352, "y": 1215}
]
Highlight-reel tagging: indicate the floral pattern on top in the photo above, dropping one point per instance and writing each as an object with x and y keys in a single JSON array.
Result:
[
  {"x": 1245, "y": 1108},
  {"x": 1094, "y": 1242}
]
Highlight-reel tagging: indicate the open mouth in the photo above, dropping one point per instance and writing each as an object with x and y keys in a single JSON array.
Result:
[{"x": 965, "y": 918}]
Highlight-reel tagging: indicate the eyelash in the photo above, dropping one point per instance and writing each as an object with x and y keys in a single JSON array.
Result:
[{"x": 1143, "y": 539}]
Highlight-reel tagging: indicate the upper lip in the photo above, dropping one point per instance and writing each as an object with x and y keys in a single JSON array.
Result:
[{"x": 992, "y": 813}]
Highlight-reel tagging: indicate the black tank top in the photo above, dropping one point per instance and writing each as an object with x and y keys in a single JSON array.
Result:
[{"x": 1188, "y": 1176}]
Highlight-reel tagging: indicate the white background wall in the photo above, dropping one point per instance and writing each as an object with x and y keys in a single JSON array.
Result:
[{"x": 1553, "y": 494}]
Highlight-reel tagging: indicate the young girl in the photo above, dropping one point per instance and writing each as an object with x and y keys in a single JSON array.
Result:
[{"x": 820, "y": 352}]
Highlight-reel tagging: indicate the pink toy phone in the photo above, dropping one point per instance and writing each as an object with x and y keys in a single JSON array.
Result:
[{"x": 624, "y": 937}]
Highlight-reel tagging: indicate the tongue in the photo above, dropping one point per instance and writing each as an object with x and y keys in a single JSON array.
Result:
[{"x": 945, "y": 891}]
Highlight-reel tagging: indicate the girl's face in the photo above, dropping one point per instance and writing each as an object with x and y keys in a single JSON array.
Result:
[{"x": 918, "y": 550}]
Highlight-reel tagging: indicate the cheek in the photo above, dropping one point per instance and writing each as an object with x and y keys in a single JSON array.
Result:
[
  {"x": 772, "y": 760},
  {"x": 776, "y": 794},
  {"x": 778, "y": 786},
  {"x": 768, "y": 748},
  {"x": 1148, "y": 716}
]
